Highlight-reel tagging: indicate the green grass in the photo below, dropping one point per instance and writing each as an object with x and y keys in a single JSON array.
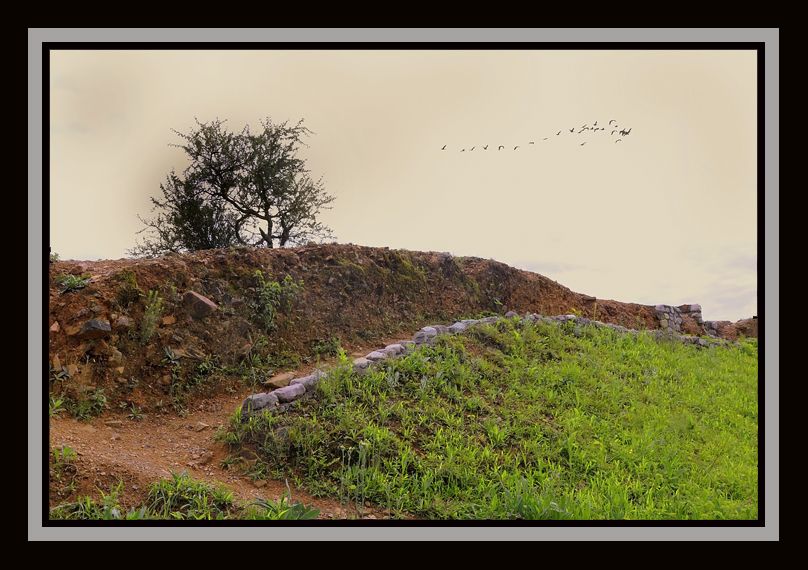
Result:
[
  {"x": 180, "y": 498},
  {"x": 529, "y": 421}
]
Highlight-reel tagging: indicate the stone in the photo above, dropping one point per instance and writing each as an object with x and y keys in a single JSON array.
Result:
[
  {"x": 309, "y": 381},
  {"x": 660, "y": 308},
  {"x": 279, "y": 380},
  {"x": 115, "y": 357},
  {"x": 198, "y": 306},
  {"x": 361, "y": 364},
  {"x": 458, "y": 327},
  {"x": 441, "y": 329},
  {"x": 511, "y": 314},
  {"x": 394, "y": 349},
  {"x": 258, "y": 402},
  {"x": 376, "y": 355},
  {"x": 169, "y": 320},
  {"x": 290, "y": 393},
  {"x": 94, "y": 328},
  {"x": 469, "y": 322},
  {"x": 119, "y": 370},
  {"x": 123, "y": 323},
  {"x": 489, "y": 320},
  {"x": 201, "y": 426},
  {"x": 57, "y": 364},
  {"x": 424, "y": 335},
  {"x": 54, "y": 328}
]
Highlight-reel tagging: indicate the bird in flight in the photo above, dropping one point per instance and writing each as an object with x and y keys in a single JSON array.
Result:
[
  {"x": 444, "y": 147},
  {"x": 617, "y": 141},
  {"x": 517, "y": 146},
  {"x": 572, "y": 130},
  {"x": 583, "y": 143},
  {"x": 472, "y": 148},
  {"x": 462, "y": 150},
  {"x": 595, "y": 124},
  {"x": 558, "y": 133},
  {"x": 544, "y": 139},
  {"x": 613, "y": 131},
  {"x": 485, "y": 147},
  {"x": 500, "y": 147},
  {"x": 612, "y": 121},
  {"x": 531, "y": 142}
]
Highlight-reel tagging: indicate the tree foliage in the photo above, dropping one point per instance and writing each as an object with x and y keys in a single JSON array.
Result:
[{"x": 239, "y": 188}]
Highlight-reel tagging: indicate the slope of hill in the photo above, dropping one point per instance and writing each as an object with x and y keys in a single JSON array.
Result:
[{"x": 147, "y": 357}]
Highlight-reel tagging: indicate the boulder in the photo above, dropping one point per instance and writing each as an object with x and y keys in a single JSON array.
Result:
[
  {"x": 309, "y": 381},
  {"x": 511, "y": 314},
  {"x": 458, "y": 327},
  {"x": 394, "y": 349},
  {"x": 258, "y": 402},
  {"x": 94, "y": 328},
  {"x": 361, "y": 364},
  {"x": 376, "y": 355},
  {"x": 289, "y": 393},
  {"x": 198, "y": 306},
  {"x": 279, "y": 380}
]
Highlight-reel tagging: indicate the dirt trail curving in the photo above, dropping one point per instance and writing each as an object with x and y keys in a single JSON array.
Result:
[{"x": 114, "y": 448}]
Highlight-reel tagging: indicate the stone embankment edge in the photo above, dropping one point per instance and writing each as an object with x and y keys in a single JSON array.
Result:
[{"x": 280, "y": 398}]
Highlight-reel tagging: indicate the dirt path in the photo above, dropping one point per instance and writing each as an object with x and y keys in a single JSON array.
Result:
[{"x": 113, "y": 447}]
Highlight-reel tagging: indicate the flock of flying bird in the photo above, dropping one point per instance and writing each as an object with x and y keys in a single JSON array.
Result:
[{"x": 611, "y": 127}]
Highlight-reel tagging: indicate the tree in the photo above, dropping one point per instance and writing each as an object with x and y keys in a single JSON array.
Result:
[{"x": 239, "y": 188}]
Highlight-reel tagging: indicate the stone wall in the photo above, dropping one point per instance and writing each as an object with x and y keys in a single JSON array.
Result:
[{"x": 280, "y": 398}]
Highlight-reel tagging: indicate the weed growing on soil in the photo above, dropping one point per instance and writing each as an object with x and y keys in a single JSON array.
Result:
[
  {"x": 89, "y": 405},
  {"x": 55, "y": 406},
  {"x": 281, "y": 510},
  {"x": 181, "y": 498},
  {"x": 151, "y": 316},
  {"x": 269, "y": 297},
  {"x": 68, "y": 282},
  {"x": 128, "y": 291},
  {"x": 326, "y": 348},
  {"x": 54, "y": 257},
  {"x": 529, "y": 421}
]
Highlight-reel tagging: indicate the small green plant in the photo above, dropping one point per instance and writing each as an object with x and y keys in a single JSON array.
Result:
[
  {"x": 281, "y": 510},
  {"x": 128, "y": 291},
  {"x": 62, "y": 457},
  {"x": 68, "y": 282},
  {"x": 269, "y": 297},
  {"x": 89, "y": 406},
  {"x": 55, "y": 406},
  {"x": 135, "y": 413},
  {"x": 151, "y": 316},
  {"x": 54, "y": 257},
  {"x": 326, "y": 348}
]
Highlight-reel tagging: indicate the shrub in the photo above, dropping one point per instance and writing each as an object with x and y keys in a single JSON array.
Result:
[
  {"x": 151, "y": 316},
  {"x": 268, "y": 297}
]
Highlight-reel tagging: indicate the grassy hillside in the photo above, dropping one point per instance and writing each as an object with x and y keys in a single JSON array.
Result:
[{"x": 531, "y": 421}]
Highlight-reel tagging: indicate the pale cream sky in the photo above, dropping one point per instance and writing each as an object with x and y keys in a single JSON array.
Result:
[{"x": 666, "y": 216}]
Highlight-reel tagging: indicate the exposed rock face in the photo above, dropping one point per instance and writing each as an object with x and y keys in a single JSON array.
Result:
[{"x": 198, "y": 306}]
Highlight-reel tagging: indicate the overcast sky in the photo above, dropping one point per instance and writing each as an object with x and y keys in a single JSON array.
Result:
[{"x": 668, "y": 215}]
